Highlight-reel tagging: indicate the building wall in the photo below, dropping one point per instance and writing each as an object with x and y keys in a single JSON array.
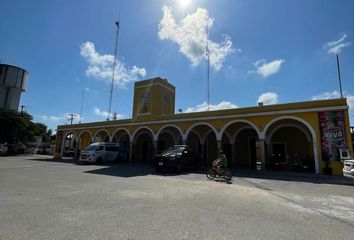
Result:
[{"x": 261, "y": 119}]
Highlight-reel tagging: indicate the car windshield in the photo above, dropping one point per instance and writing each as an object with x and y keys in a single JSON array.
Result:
[
  {"x": 173, "y": 151},
  {"x": 90, "y": 148}
]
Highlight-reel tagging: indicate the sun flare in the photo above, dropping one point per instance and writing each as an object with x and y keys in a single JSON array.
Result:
[{"x": 184, "y": 3}]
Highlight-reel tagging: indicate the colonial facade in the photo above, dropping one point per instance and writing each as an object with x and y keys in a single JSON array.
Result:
[{"x": 302, "y": 136}]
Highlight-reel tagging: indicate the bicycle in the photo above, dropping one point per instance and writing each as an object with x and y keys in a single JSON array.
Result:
[{"x": 226, "y": 173}]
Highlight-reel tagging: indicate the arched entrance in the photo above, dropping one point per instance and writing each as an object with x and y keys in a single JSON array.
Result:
[
  {"x": 289, "y": 146},
  {"x": 239, "y": 144},
  {"x": 201, "y": 137},
  {"x": 84, "y": 139},
  {"x": 143, "y": 150},
  {"x": 167, "y": 137},
  {"x": 101, "y": 136},
  {"x": 69, "y": 145},
  {"x": 122, "y": 136}
]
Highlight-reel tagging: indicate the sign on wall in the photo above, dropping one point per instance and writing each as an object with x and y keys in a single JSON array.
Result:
[{"x": 332, "y": 129}]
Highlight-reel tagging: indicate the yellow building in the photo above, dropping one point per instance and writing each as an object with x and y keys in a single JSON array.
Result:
[{"x": 300, "y": 136}]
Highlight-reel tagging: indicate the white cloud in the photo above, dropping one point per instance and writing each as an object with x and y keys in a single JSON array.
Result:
[
  {"x": 268, "y": 98},
  {"x": 101, "y": 66},
  {"x": 336, "y": 46},
  {"x": 336, "y": 94},
  {"x": 327, "y": 95},
  {"x": 105, "y": 114},
  {"x": 204, "y": 107},
  {"x": 99, "y": 112},
  {"x": 265, "y": 69},
  {"x": 191, "y": 37}
]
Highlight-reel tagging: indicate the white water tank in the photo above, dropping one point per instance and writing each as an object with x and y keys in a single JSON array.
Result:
[{"x": 13, "y": 81}]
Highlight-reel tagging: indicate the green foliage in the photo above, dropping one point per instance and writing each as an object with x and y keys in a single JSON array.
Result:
[{"x": 15, "y": 126}]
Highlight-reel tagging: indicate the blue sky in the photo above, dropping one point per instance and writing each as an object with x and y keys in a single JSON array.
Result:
[{"x": 275, "y": 51}]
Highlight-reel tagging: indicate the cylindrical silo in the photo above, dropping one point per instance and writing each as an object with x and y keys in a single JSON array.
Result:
[{"x": 13, "y": 81}]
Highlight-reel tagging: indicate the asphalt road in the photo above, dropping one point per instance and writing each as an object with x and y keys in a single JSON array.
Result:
[{"x": 42, "y": 198}]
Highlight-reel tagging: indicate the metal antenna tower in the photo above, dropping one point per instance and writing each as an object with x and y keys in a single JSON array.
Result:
[
  {"x": 114, "y": 63},
  {"x": 208, "y": 63},
  {"x": 114, "y": 69}
]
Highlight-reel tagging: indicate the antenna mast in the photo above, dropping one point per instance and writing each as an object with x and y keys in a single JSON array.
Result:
[
  {"x": 339, "y": 78},
  {"x": 208, "y": 61},
  {"x": 114, "y": 68}
]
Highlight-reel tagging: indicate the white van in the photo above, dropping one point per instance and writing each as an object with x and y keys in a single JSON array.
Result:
[{"x": 101, "y": 152}]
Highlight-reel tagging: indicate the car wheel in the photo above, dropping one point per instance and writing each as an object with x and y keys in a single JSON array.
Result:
[
  {"x": 99, "y": 160},
  {"x": 157, "y": 169},
  {"x": 179, "y": 168}
]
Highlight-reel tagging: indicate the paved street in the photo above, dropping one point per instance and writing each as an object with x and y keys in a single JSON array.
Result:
[{"x": 43, "y": 198}]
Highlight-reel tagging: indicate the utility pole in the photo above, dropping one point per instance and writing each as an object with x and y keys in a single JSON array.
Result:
[
  {"x": 339, "y": 78},
  {"x": 71, "y": 117},
  {"x": 113, "y": 72}
]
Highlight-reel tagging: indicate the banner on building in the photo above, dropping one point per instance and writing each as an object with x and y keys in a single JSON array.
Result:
[{"x": 332, "y": 129}]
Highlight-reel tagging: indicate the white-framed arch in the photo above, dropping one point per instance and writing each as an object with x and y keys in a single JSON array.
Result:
[
  {"x": 185, "y": 136},
  {"x": 309, "y": 127},
  {"x": 85, "y": 131},
  {"x": 133, "y": 136},
  {"x": 237, "y": 132},
  {"x": 167, "y": 126},
  {"x": 118, "y": 130},
  {"x": 269, "y": 136},
  {"x": 239, "y": 121},
  {"x": 101, "y": 130},
  {"x": 64, "y": 139},
  {"x": 206, "y": 135}
]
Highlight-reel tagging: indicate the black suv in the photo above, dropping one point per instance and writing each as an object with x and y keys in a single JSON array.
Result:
[{"x": 176, "y": 158}]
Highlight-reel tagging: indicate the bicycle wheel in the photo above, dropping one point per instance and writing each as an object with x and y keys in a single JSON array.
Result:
[
  {"x": 228, "y": 174},
  {"x": 211, "y": 174}
]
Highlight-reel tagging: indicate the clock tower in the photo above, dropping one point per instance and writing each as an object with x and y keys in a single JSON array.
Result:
[{"x": 153, "y": 97}]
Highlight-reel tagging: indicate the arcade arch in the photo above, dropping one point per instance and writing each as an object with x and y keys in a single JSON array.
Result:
[
  {"x": 239, "y": 139},
  {"x": 101, "y": 135},
  {"x": 143, "y": 145},
  {"x": 290, "y": 145},
  {"x": 167, "y": 137}
]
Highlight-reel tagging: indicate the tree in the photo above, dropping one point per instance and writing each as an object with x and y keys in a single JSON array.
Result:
[{"x": 15, "y": 126}]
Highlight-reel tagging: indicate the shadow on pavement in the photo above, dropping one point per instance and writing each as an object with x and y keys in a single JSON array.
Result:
[
  {"x": 294, "y": 177},
  {"x": 139, "y": 169}
]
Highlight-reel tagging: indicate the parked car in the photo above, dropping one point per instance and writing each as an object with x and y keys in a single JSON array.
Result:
[
  {"x": 176, "y": 158},
  {"x": 348, "y": 168},
  {"x": 102, "y": 152}
]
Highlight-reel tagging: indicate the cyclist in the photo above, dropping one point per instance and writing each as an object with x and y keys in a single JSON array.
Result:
[{"x": 220, "y": 163}]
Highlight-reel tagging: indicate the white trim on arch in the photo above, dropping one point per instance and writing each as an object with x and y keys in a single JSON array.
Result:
[
  {"x": 238, "y": 121},
  {"x": 274, "y": 130},
  {"x": 140, "y": 128},
  {"x": 166, "y": 126},
  {"x": 312, "y": 131},
  {"x": 237, "y": 132},
  {"x": 64, "y": 139},
  {"x": 185, "y": 136},
  {"x": 117, "y": 130},
  {"x": 82, "y": 132},
  {"x": 104, "y": 130}
]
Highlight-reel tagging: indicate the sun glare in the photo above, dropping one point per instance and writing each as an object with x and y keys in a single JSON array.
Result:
[{"x": 184, "y": 3}]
